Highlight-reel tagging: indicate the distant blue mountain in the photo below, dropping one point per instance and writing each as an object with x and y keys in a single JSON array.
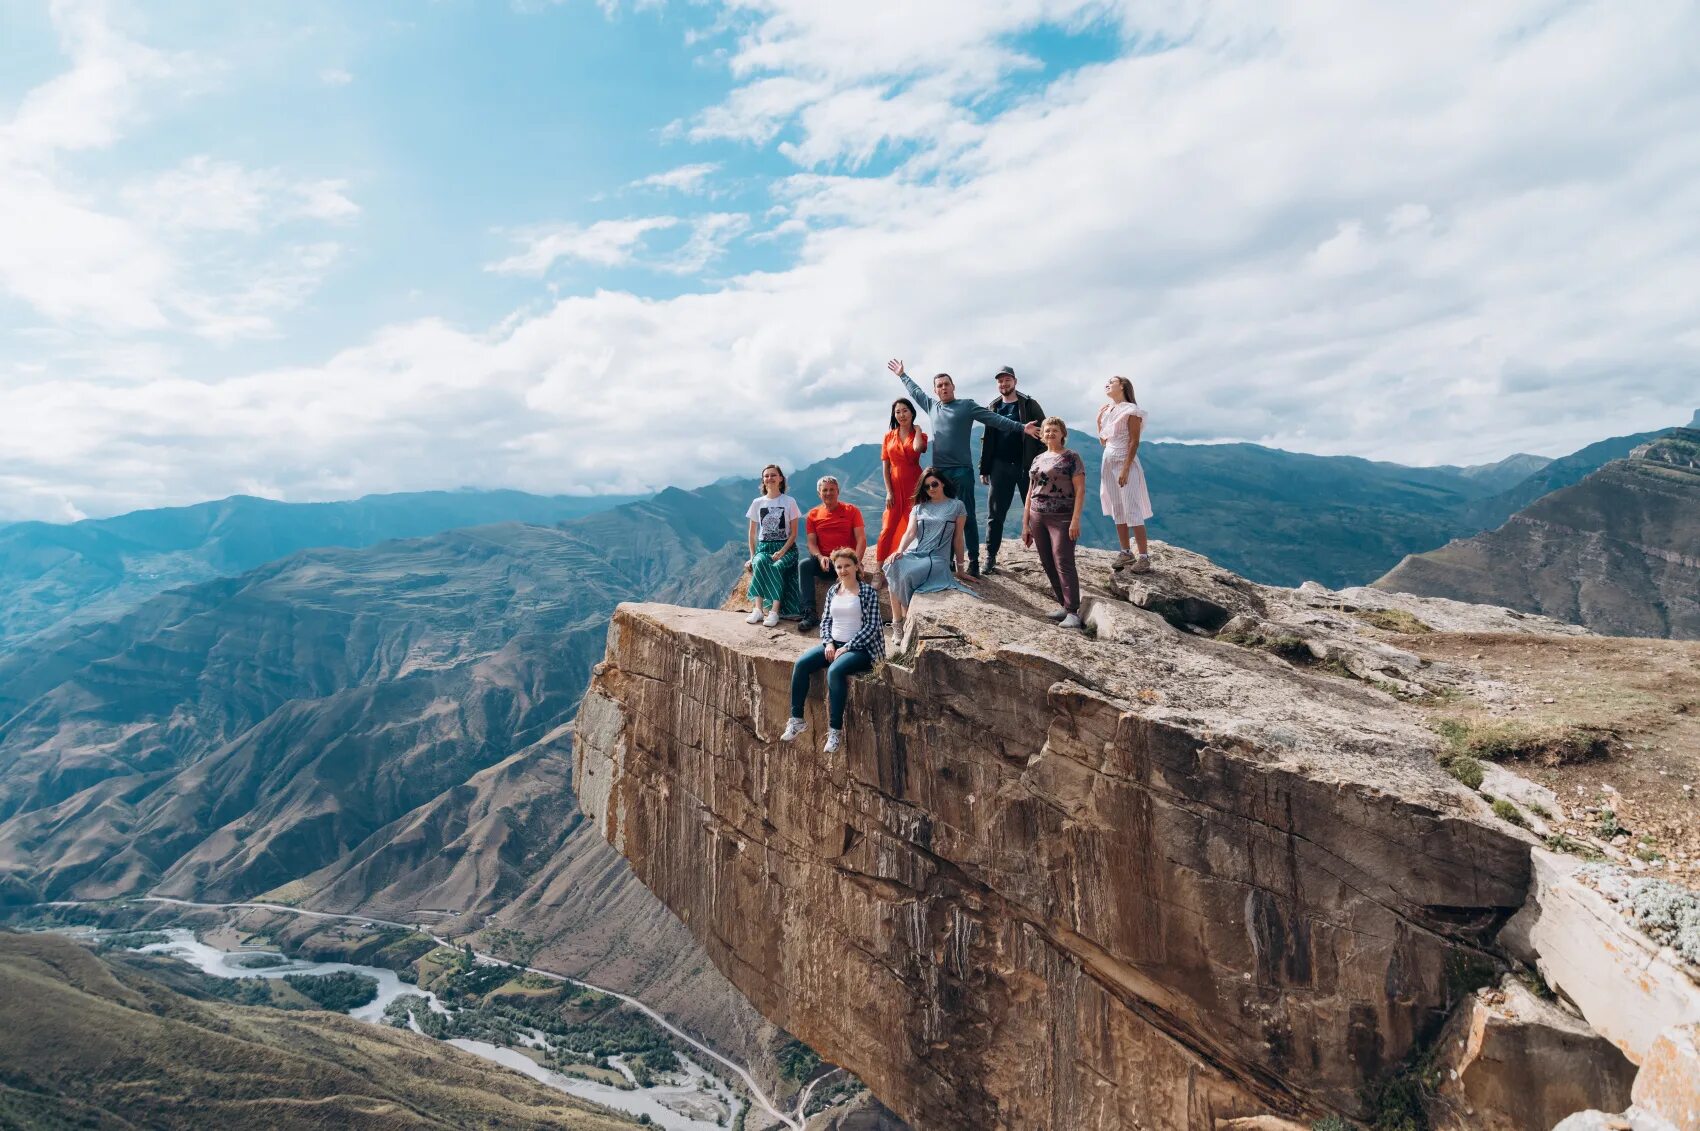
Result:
[
  {"x": 52, "y": 574},
  {"x": 1275, "y": 516}
]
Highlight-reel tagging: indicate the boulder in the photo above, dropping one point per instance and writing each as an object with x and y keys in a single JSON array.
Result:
[
  {"x": 1629, "y": 988},
  {"x": 1509, "y": 1061},
  {"x": 1668, "y": 1086}
]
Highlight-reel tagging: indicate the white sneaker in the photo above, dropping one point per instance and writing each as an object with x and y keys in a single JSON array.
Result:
[
  {"x": 754, "y": 617},
  {"x": 771, "y": 620},
  {"x": 834, "y": 741},
  {"x": 1069, "y": 621},
  {"x": 1057, "y": 613},
  {"x": 793, "y": 728}
]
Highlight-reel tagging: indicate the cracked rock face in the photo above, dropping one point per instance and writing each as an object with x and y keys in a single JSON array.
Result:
[{"x": 1146, "y": 880}]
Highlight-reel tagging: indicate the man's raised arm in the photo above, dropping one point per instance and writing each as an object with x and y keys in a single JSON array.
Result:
[
  {"x": 921, "y": 398},
  {"x": 992, "y": 420}
]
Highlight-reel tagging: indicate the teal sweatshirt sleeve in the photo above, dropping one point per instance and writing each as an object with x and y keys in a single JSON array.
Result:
[{"x": 921, "y": 398}]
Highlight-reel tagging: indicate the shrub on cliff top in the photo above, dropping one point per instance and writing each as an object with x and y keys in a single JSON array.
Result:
[{"x": 1500, "y": 740}]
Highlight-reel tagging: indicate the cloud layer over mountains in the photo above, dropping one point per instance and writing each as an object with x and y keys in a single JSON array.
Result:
[{"x": 1436, "y": 233}]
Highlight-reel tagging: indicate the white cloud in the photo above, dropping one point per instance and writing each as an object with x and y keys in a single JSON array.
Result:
[
  {"x": 683, "y": 178},
  {"x": 1435, "y": 234},
  {"x": 606, "y": 243},
  {"x": 335, "y": 76},
  {"x": 158, "y": 253},
  {"x": 710, "y": 236},
  {"x": 205, "y": 194},
  {"x": 85, "y": 107}
]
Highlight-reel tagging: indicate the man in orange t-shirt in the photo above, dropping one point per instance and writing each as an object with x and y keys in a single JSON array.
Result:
[{"x": 831, "y": 526}]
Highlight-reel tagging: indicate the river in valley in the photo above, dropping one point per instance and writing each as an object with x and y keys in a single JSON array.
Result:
[{"x": 690, "y": 1099}]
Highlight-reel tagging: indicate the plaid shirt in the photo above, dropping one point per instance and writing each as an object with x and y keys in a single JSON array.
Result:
[{"x": 871, "y": 639}]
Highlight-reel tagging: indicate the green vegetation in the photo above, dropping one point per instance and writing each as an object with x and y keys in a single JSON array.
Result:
[
  {"x": 1398, "y": 1101},
  {"x": 133, "y": 940},
  {"x": 1509, "y": 813},
  {"x": 260, "y": 961},
  {"x": 500, "y": 1004},
  {"x": 338, "y": 992},
  {"x": 1468, "y": 971},
  {"x": 93, "y": 1040},
  {"x": 846, "y": 1087},
  {"x": 1499, "y": 740},
  {"x": 1331, "y": 1123},
  {"x": 1609, "y": 825},
  {"x": 1558, "y": 842},
  {"x": 1534, "y": 983},
  {"x": 1465, "y": 768},
  {"x": 1393, "y": 620},
  {"x": 512, "y": 946},
  {"x": 797, "y": 1061}
]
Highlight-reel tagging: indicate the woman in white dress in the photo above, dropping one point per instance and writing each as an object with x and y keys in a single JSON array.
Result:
[{"x": 1121, "y": 489}]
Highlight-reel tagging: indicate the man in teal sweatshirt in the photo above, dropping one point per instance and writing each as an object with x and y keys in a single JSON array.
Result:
[{"x": 953, "y": 420}]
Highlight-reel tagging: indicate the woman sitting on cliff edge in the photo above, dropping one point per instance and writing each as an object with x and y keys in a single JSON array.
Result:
[{"x": 851, "y": 642}]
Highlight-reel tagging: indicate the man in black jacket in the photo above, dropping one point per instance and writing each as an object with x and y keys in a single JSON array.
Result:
[{"x": 1005, "y": 458}]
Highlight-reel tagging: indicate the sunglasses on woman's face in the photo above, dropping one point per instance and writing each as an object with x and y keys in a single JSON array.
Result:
[{"x": 934, "y": 483}]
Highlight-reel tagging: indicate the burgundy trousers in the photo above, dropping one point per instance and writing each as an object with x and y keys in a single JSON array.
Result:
[{"x": 1056, "y": 554}]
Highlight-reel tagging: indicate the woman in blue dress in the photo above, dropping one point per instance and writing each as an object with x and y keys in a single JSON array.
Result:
[{"x": 932, "y": 551}]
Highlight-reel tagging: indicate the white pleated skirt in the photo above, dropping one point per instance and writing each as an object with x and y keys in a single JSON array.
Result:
[{"x": 1125, "y": 506}]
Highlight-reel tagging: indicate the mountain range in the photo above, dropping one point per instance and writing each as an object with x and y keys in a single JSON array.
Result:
[
  {"x": 54, "y": 574},
  {"x": 1617, "y": 551},
  {"x": 1281, "y": 517}
]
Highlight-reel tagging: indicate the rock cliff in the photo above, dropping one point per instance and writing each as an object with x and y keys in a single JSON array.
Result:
[{"x": 1131, "y": 879}]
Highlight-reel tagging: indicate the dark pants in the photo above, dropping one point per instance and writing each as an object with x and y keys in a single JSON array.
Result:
[
  {"x": 1007, "y": 478},
  {"x": 1056, "y": 554},
  {"x": 808, "y": 572},
  {"x": 964, "y": 480},
  {"x": 849, "y": 662}
]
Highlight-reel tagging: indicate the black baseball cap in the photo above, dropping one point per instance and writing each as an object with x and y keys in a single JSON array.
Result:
[{"x": 1006, "y": 369}]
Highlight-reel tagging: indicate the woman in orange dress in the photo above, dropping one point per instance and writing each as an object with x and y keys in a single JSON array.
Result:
[{"x": 900, "y": 456}]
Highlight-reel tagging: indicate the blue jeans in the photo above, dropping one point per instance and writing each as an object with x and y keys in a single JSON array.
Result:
[
  {"x": 850, "y": 661},
  {"x": 965, "y": 479}
]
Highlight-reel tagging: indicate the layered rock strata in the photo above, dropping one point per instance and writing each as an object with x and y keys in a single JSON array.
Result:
[
  {"x": 1146, "y": 880},
  {"x": 1618, "y": 552}
]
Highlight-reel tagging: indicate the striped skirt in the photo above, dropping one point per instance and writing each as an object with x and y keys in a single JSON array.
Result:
[{"x": 775, "y": 580}]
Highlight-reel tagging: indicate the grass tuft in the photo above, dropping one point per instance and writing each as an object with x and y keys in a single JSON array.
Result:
[
  {"x": 1509, "y": 813},
  {"x": 1558, "y": 842},
  {"x": 1499, "y": 740},
  {"x": 1465, "y": 768},
  {"x": 1393, "y": 620}
]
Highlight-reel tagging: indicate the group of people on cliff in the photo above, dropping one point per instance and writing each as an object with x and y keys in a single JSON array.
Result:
[{"x": 929, "y": 535}]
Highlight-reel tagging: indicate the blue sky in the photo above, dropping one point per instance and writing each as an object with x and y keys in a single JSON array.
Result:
[{"x": 311, "y": 250}]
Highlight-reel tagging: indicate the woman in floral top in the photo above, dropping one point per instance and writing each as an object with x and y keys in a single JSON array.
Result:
[{"x": 1056, "y": 491}]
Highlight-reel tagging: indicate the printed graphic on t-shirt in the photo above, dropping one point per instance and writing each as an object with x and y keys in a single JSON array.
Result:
[{"x": 770, "y": 521}]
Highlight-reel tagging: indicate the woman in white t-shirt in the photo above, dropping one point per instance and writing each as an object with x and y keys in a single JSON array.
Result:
[
  {"x": 851, "y": 641},
  {"x": 773, "y": 549},
  {"x": 1121, "y": 490}
]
